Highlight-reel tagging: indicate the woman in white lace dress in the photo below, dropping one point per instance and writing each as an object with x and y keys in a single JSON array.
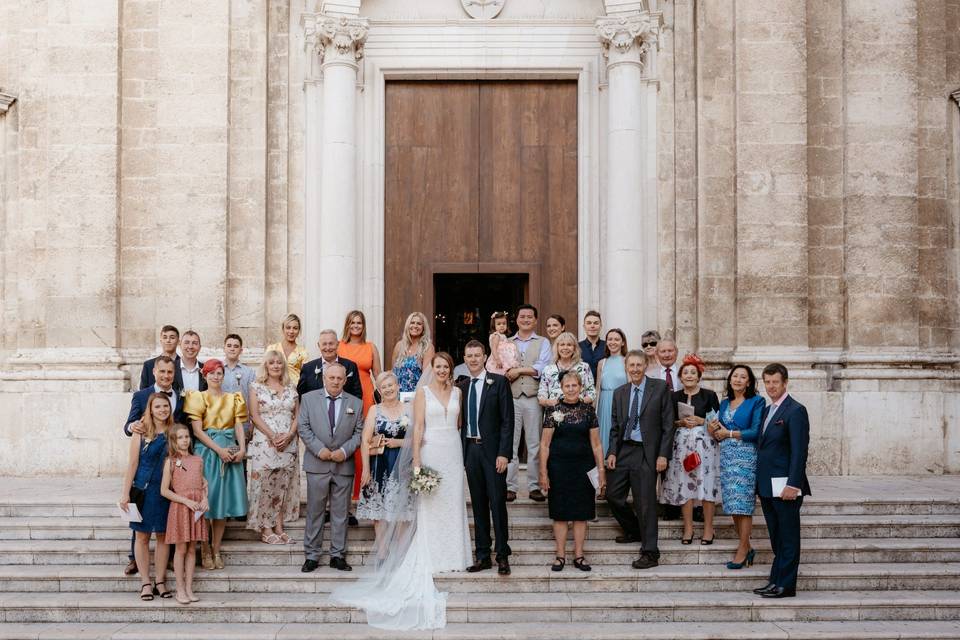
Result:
[{"x": 421, "y": 535}]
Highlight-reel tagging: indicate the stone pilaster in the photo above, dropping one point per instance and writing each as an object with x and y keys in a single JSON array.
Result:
[
  {"x": 771, "y": 163},
  {"x": 335, "y": 45},
  {"x": 247, "y": 173},
  {"x": 825, "y": 174},
  {"x": 880, "y": 175},
  {"x": 630, "y": 255},
  {"x": 716, "y": 184}
]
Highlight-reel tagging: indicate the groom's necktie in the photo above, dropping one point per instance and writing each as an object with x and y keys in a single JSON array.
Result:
[{"x": 472, "y": 409}]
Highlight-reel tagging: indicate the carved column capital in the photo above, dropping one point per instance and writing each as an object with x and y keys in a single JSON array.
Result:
[
  {"x": 629, "y": 38},
  {"x": 6, "y": 100},
  {"x": 335, "y": 39}
]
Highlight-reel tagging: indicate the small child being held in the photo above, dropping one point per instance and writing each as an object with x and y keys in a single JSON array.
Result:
[{"x": 504, "y": 354}]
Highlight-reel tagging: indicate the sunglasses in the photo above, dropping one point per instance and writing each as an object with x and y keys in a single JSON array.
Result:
[{"x": 648, "y": 344}]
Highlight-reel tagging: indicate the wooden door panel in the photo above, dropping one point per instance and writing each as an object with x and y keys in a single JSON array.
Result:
[{"x": 479, "y": 174}]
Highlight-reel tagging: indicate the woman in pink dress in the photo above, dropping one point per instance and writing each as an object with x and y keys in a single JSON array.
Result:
[{"x": 504, "y": 354}]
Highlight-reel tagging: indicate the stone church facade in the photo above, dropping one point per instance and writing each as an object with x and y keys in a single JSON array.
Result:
[{"x": 767, "y": 180}]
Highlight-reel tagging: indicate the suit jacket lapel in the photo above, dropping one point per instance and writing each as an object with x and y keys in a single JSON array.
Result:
[
  {"x": 773, "y": 418},
  {"x": 483, "y": 398},
  {"x": 644, "y": 401}
]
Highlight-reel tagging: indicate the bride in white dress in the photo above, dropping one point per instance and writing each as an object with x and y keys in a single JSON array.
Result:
[{"x": 424, "y": 535}]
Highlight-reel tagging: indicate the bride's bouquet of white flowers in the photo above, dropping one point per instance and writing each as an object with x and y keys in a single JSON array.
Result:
[{"x": 425, "y": 480}]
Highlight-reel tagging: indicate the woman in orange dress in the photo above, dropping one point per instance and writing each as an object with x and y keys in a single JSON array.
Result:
[{"x": 354, "y": 346}]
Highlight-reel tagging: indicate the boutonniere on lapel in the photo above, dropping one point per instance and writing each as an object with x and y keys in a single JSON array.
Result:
[
  {"x": 557, "y": 416},
  {"x": 489, "y": 381},
  {"x": 350, "y": 375},
  {"x": 317, "y": 370},
  {"x": 183, "y": 393},
  {"x": 350, "y": 411},
  {"x": 238, "y": 376}
]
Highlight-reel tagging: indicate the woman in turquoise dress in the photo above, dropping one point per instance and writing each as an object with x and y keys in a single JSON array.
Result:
[
  {"x": 411, "y": 351},
  {"x": 217, "y": 419},
  {"x": 737, "y": 431},
  {"x": 611, "y": 374}
]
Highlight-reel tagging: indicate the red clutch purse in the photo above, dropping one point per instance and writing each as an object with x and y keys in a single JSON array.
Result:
[{"x": 691, "y": 462}]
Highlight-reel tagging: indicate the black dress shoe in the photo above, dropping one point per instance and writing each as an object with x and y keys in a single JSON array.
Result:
[
  {"x": 779, "y": 592},
  {"x": 503, "y": 567},
  {"x": 480, "y": 565},
  {"x": 130, "y": 569},
  {"x": 352, "y": 521},
  {"x": 537, "y": 496},
  {"x": 511, "y": 496},
  {"x": 340, "y": 564},
  {"x": 645, "y": 561},
  {"x": 761, "y": 590},
  {"x": 626, "y": 539},
  {"x": 309, "y": 566}
]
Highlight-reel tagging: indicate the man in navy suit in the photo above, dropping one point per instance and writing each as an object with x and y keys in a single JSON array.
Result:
[
  {"x": 311, "y": 374},
  {"x": 782, "y": 456}
]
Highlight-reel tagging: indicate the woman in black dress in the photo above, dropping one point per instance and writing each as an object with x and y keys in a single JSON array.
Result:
[{"x": 569, "y": 448}]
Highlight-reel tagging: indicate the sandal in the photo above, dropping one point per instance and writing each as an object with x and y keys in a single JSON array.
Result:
[
  {"x": 148, "y": 596},
  {"x": 559, "y": 564},
  {"x": 271, "y": 539},
  {"x": 705, "y": 541},
  {"x": 579, "y": 563},
  {"x": 166, "y": 593},
  {"x": 285, "y": 539},
  {"x": 686, "y": 540}
]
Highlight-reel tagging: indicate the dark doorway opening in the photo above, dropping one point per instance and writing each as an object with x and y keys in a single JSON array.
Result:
[{"x": 464, "y": 302}]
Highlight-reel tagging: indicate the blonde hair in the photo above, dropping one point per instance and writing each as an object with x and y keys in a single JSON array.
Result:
[
  {"x": 291, "y": 317},
  {"x": 385, "y": 375},
  {"x": 356, "y": 313},
  {"x": 566, "y": 335},
  {"x": 263, "y": 375},
  {"x": 406, "y": 342},
  {"x": 172, "y": 450}
]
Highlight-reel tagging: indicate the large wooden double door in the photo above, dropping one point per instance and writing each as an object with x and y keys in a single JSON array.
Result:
[{"x": 481, "y": 178}]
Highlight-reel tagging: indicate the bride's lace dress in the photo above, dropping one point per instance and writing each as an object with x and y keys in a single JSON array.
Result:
[{"x": 401, "y": 594}]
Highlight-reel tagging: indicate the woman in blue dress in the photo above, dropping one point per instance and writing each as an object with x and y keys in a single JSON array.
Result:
[
  {"x": 737, "y": 431},
  {"x": 383, "y": 434},
  {"x": 611, "y": 374},
  {"x": 411, "y": 351},
  {"x": 145, "y": 471}
]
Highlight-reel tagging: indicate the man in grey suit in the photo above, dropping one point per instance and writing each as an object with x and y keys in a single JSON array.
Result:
[
  {"x": 641, "y": 442},
  {"x": 328, "y": 463}
]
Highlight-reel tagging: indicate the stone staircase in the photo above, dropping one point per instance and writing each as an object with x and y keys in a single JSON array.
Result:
[{"x": 881, "y": 559}]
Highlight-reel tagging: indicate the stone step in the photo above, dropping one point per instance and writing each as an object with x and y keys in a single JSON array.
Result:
[
  {"x": 500, "y": 607},
  {"x": 649, "y": 630},
  {"x": 525, "y": 552},
  {"x": 106, "y": 507},
  {"x": 528, "y": 579},
  {"x": 521, "y": 528}
]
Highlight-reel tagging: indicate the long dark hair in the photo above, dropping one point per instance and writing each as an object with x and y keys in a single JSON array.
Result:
[
  {"x": 623, "y": 349},
  {"x": 751, "y": 389}
]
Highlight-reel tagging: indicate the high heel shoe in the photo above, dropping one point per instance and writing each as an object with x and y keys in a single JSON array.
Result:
[
  {"x": 206, "y": 555},
  {"x": 747, "y": 561}
]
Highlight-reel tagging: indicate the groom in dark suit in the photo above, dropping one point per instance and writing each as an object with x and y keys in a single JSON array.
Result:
[
  {"x": 782, "y": 454},
  {"x": 487, "y": 434}
]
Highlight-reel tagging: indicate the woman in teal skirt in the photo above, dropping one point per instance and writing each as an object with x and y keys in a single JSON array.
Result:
[
  {"x": 737, "y": 430},
  {"x": 610, "y": 375},
  {"x": 217, "y": 419}
]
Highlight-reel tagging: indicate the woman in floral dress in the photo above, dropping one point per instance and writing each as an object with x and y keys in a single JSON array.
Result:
[
  {"x": 386, "y": 422},
  {"x": 274, "y": 473}
]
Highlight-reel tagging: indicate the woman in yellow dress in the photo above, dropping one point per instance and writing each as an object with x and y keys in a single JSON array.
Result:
[
  {"x": 293, "y": 352},
  {"x": 217, "y": 419}
]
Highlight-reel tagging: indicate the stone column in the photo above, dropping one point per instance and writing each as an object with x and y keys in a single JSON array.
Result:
[
  {"x": 336, "y": 45},
  {"x": 629, "y": 297}
]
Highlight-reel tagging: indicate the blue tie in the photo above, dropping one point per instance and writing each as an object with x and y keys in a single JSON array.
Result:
[
  {"x": 634, "y": 418},
  {"x": 472, "y": 408},
  {"x": 332, "y": 412}
]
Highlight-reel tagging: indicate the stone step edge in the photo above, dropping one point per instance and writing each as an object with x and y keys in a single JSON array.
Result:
[
  {"x": 503, "y": 600},
  {"x": 865, "y": 630},
  {"x": 663, "y": 572}
]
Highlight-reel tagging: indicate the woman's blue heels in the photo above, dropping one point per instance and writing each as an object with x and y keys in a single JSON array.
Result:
[{"x": 747, "y": 562}]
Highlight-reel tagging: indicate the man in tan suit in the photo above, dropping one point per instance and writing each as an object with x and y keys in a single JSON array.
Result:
[{"x": 528, "y": 415}]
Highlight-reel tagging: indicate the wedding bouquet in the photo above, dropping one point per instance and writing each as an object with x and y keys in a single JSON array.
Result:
[{"x": 425, "y": 480}]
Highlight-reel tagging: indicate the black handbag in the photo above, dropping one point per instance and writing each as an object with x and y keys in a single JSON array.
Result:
[{"x": 138, "y": 496}]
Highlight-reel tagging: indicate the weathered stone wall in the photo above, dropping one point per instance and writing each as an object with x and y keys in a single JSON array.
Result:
[{"x": 152, "y": 170}]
